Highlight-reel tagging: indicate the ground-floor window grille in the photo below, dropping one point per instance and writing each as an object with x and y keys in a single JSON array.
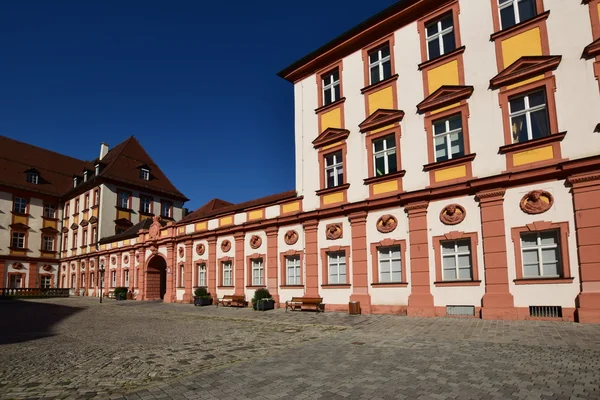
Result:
[
  {"x": 545, "y": 311},
  {"x": 463, "y": 311}
]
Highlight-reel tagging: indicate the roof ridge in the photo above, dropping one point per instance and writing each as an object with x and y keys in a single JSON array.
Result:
[
  {"x": 44, "y": 149},
  {"x": 115, "y": 158}
]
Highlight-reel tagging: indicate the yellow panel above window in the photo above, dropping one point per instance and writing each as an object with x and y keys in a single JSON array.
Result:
[
  {"x": 528, "y": 43},
  {"x": 331, "y": 119},
  {"x": 445, "y": 74}
]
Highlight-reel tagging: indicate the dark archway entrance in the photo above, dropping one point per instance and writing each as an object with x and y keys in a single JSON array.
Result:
[{"x": 156, "y": 278}]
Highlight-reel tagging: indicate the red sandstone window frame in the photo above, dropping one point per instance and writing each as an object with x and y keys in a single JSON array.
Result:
[
  {"x": 119, "y": 191},
  {"x": 250, "y": 281},
  {"x": 180, "y": 275},
  {"x": 325, "y": 267},
  {"x": 86, "y": 202},
  {"x": 396, "y": 132},
  {"x": 27, "y": 205},
  {"x": 339, "y": 66},
  {"x": 343, "y": 147},
  {"x": 437, "y": 250},
  {"x": 388, "y": 40},
  {"x": 23, "y": 281},
  {"x": 162, "y": 205},
  {"x": 375, "y": 262},
  {"x": 25, "y": 239},
  {"x": 541, "y": 226},
  {"x": 96, "y": 199},
  {"x": 198, "y": 263},
  {"x": 46, "y": 276},
  {"x": 43, "y": 249},
  {"x": 434, "y": 16},
  {"x": 539, "y": 9},
  {"x": 220, "y": 268},
  {"x": 76, "y": 212},
  {"x": 151, "y": 200},
  {"x": 283, "y": 267}
]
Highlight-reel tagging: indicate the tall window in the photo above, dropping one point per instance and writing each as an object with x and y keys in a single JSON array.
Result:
[
  {"x": 380, "y": 64},
  {"x": 20, "y": 205},
  {"x": 540, "y": 254},
  {"x": 384, "y": 155},
  {"x": 74, "y": 239},
  {"x": 336, "y": 261},
  {"x": 227, "y": 278},
  {"x": 94, "y": 234},
  {"x": 292, "y": 268},
  {"x": 33, "y": 177},
  {"x": 85, "y": 237},
  {"x": 15, "y": 281},
  {"x": 92, "y": 276},
  {"x": 18, "y": 240},
  {"x": 181, "y": 275},
  {"x": 49, "y": 211},
  {"x": 440, "y": 37},
  {"x": 73, "y": 281},
  {"x": 96, "y": 196},
  {"x": 334, "y": 169},
  {"x": 331, "y": 87},
  {"x": 45, "y": 282},
  {"x": 529, "y": 116},
  {"x": 123, "y": 199},
  {"x": 145, "y": 204},
  {"x": 67, "y": 209},
  {"x": 514, "y": 11},
  {"x": 448, "y": 138},
  {"x": 86, "y": 201},
  {"x": 65, "y": 241},
  {"x": 126, "y": 277},
  {"x": 48, "y": 243},
  {"x": 113, "y": 278},
  {"x": 145, "y": 174},
  {"x": 390, "y": 264},
  {"x": 166, "y": 209},
  {"x": 76, "y": 206},
  {"x": 257, "y": 272},
  {"x": 202, "y": 274},
  {"x": 82, "y": 280},
  {"x": 456, "y": 260}
]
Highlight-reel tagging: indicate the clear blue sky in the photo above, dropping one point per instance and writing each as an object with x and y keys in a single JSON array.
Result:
[{"x": 194, "y": 81}]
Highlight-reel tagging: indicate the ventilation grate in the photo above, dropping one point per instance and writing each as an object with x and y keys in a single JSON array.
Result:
[
  {"x": 545, "y": 311},
  {"x": 468, "y": 311}
]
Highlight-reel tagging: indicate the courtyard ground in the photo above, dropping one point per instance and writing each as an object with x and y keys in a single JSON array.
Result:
[{"x": 76, "y": 348}]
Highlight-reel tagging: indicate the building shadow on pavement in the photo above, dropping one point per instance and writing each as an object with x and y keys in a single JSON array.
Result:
[{"x": 22, "y": 321}]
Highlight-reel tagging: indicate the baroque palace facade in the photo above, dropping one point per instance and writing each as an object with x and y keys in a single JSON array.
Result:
[{"x": 447, "y": 163}]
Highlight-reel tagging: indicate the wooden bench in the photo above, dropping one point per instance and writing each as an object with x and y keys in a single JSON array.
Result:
[
  {"x": 232, "y": 301},
  {"x": 305, "y": 303}
]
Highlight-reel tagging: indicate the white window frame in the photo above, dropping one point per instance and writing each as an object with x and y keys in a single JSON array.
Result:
[
  {"x": 201, "y": 270},
  {"x": 439, "y": 36},
  {"x": 385, "y": 153},
  {"x": 33, "y": 177},
  {"x": 120, "y": 200},
  {"x": 20, "y": 203},
  {"x": 146, "y": 201},
  {"x": 166, "y": 206},
  {"x": 126, "y": 277},
  {"x": 336, "y": 166},
  {"x": 47, "y": 239},
  {"x": 446, "y": 135},
  {"x": 113, "y": 278},
  {"x": 14, "y": 279},
  {"x": 329, "y": 85},
  {"x": 85, "y": 237},
  {"x": 385, "y": 257},
  {"x": 49, "y": 207},
  {"x": 527, "y": 111},
  {"x": 20, "y": 240},
  {"x": 456, "y": 255},
  {"x": 45, "y": 278},
  {"x": 92, "y": 279},
  {"x": 378, "y": 63},
  {"x": 181, "y": 276},
  {"x": 292, "y": 264},
  {"x": 94, "y": 234},
  {"x": 258, "y": 271},
  {"x": 145, "y": 174},
  {"x": 515, "y": 4},
  {"x": 227, "y": 271},
  {"x": 539, "y": 247},
  {"x": 334, "y": 258}
]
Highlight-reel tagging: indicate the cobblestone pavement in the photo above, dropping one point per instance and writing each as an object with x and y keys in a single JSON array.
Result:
[{"x": 76, "y": 348}]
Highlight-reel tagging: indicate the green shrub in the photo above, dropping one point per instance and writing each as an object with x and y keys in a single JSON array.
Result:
[
  {"x": 121, "y": 289},
  {"x": 202, "y": 293},
  {"x": 262, "y": 293}
]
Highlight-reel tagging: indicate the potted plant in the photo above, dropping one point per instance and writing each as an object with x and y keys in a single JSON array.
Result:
[
  {"x": 202, "y": 297},
  {"x": 120, "y": 293},
  {"x": 262, "y": 300}
]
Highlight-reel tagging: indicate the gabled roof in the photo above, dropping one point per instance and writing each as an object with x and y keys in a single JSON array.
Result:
[
  {"x": 380, "y": 117},
  {"x": 330, "y": 136},
  {"x": 131, "y": 232},
  {"x": 443, "y": 96},
  {"x": 218, "y": 206},
  {"x": 524, "y": 68}
]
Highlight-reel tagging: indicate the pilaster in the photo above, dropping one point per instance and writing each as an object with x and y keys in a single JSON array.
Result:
[
  {"x": 311, "y": 258},
  {"x": 33, "y": 275},
  {"x": 171, "y": 293},
  {"x": 272, "y": 263},
  {"x": 187, "y": 296},
  {"x": 239, "y": 264},
  {"x": 141, "y": 274},
  {"x": 212, "y": 267},
  {"x": 360, "y": 279}
]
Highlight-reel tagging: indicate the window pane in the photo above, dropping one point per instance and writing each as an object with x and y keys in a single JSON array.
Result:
[
  {"x": 449, "y": 262},
  {"x": 551, "y": 269},
  {"x": 390, "y": 142},
  {"x": 340, "y": 180},
  {"x": 455, "y": 123},
  {"x": 447, "y": 22},
  {"x": 447, "y": 247},
  {"x": 432, "y": 29},
  {"x": 519, "y": 129},
  {"x": 330, "y": 179},
  {"x": 335, "y": 75},
  {"x": 464, "y": 273},
  {"x": 373, "y": 56},
  {"x": 463, "y": 246},
  {"x": 530, "y": 257},
  {"x": 337, "y": 93},
  {"x": 449, "y": 274},
  {"x": 536, "y": 99},
  {"x": 434, "y": 49},
  {"x": 531, "y": 271},
  {"x": 440, "y": 149},
  {"x": 375, "y": 74},
  {"x": 378, "y": 145},
  {"x": 550, "y": 255},
  {"x": 327, "y": 97},
  {"x": 526, "y": 9},
  {"x": 539, "y": 124},
  {"x": 517, "y": 104},
  {"x": 548, "y": 238},
  {"x": 439, "y": 127},
  {"x": 385, "y": 51},
  {"x": 507, "y": 15},
  {"x": 392, "y": 167},
  {"x": 396, "y": 277},
  {"x": 379, "y": 165},
  {"x": 528, "y": 239},
  {"x": 456, "y": 144},
  {"x": 396, "y": 267},
  {"x": 449, "y": 42},
  {"x": 387, "y": 69}
]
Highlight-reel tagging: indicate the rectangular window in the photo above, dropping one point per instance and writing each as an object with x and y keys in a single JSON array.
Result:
[
  {"x": 73, "y": 281},
  {"x": 166, "y": 208},
  {"x": 456, "y": 260},
  {"x": 48, "y": 243},
  {"x": 96, "y": 197},
  {"x": 440, "y": 37},
  {"x": 33, "y": 177},
  {"x": 227, "y": 278},
  {"x": 49, "y": 211},
  {"x": 65, "y": 241},
  {"x": 448, "y": 138},
  {"x": 67, "y": 208},
  {"x": 541, "y": 254},
  {"x": 257, "y": 272},
  {"x": 123, "y": 199},
  {"x": 113, "y": 278},
  {"x": 86, "y": 201},
  {"x": 384, "y": 155},
  {"x": 390, "y": 264},
  {"x": 513, "y": 12},
  {"x": 74, "y": 239},
  {"x": 334, "y": 169},
  {"x": 126, "y": 277},
  {"x": 94, "y": 234},
  {"x": 20, "y": 205},
  {"x": 85, "y": 237},
  {"x": 380, "y": 64},
  {"x": 82, "y": 281},
  {"x": 145, "y": 174},
  {"x": 145, "y": 204},
  {"x": 529, "y": 116},
  {"x": 331, "y": 87},
  {"x": 119, "y": 229},
  {"x": 202, "y": 274},
  {"x": 181, "y": 275},
  {"x": 77, "y": 206},
  {"x": 15, "y": 281},
  {"x": 45, "y": 282},
  {"x": 292, "y": 268},
  {"x": 92, "y": 279},
  {"x": 18, "y": 240},
  {"x": 336, "y": 261}
]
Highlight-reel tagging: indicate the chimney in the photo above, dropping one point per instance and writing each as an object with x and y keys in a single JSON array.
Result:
[{"x": 103, "y": 150}]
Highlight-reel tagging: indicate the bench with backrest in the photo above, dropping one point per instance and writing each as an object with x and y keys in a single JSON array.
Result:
[
  {"x": 231, "y": 300},
  {"x": 305, "y": 303}
]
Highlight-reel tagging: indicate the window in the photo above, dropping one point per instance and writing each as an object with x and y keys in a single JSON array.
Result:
[
  {"x": 440, "y": 37},
  {"x": 65, "y": 241},
  {"x": 331, "y": 87},
  {"x": 96, "y": 197},
  {"x": 380, "y": 64},
  {"x": 75, "y": 181},
  {"x": 126, "y": 277},
  {"x": 448, "y": 138},
  {"x": 113, "y": 278},
  {"x": 166, "y": 209},
  {"x": 49, "y": 211},
  {"x": 514, "y": 11},
  {"x": 73, "y": 281},
  {"x": 97, "y": 169},
  {"x": 334, "y": 169},
  {"x": 15, "y": 281},
  {"x": 74, "y": 240},
  {"x": 33, "y": 177},
  {"x": 529, "y": 117},
  {"x": 48, "y": 243},
  {"x": 85, "y": 238},
  {"x": 82, "y": 281},
  {"x": 18, "y": 240},
  {"x": 145, "y": 204},
  {"x": 119, "y": 229},
  {"x": 20, "y": 205},
  {"x": 390, "y": 264},
  {"x": 76, "y": 206},
  {"x": 86, "y": 201},
  {"x": 45, "y": 282},
  {"x": 94, "y": 234},
  {"x": 145, "y": 174},
  {"x": 92, "y": 276},
  {"x": 257, "y": 272},
  {"x": 202, "y": 274},
  {"x": 123, "y": 199},
  {"x": 336, "y": 261},
  {"x": 456, "y": 260},
  {"x": 384, "y": 155},
  {"x": 85, "y": 176},
  {"x": 67, "y": 209},
  {"x": 181, "y": 275},
  {"x": 541, "y": 254},
  {"x": 292, "y": 268},
  {"x": 227, "y": 279}
]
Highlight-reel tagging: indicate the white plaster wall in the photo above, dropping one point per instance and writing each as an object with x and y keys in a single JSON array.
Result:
[
  {"x": 239, "y": 219},
  {"x": 285, "y": 293},
  {"x": 179, "y": 258},
  {"x": 335, "y": 296},
  {"x": 249, "y": 251},
  {"x": 196, "y": 258},
  {"x": 272, "y": 212},
  {"x": 24, "y": 270},
  {"x": 388, "y": 295},
  {"x": 299, "y": 137},
  {"x": 212, "y": 224},
  {"x": 577, "y": 97},
  {"x": 462, "y": 295},
  {"x": 179, "y": 294},
  {"x": 107, "y": 211},
  {"x": 191, "y": 228},
  {"x": 562, "y": 211},
  {"x": 5, "y": 221},
  {"x": 220, "y": 254}
]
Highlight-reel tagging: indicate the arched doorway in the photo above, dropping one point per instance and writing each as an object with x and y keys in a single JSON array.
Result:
[{"x": 156, "y": 278}]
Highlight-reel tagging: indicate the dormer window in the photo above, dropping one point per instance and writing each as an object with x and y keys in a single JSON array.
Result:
[
  {"x": 75, "y": 182},
  {"x": 97, "y": 167},
  {"x": 145, "y": 174},
  {"x": 33, "y": 177},
  {"x": 85, "y": 176}
]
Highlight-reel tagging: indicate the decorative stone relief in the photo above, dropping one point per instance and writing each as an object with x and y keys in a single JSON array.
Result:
[
  {"x": 200, "y": 249},
  {"x": 334, "y": 231},
  {"x": 17, "y": 266},
  {"x": 291, "y": 237},
  {"x": 387, "y": 223},
  {"x": 113, "y": 260},
  {"x": 255, "y": 242},
  {"x": 47, "y": 268},
  {"x": 225, "y": 245},
  {"x": 452, "y": 214},
  {"x": 137, "y": 256},
  {"x": 126, "y": 259},
  {"x": 536, "y": 202},
  {"x": 154, "y": 230},
  {"x": 181, "y": 251}
]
